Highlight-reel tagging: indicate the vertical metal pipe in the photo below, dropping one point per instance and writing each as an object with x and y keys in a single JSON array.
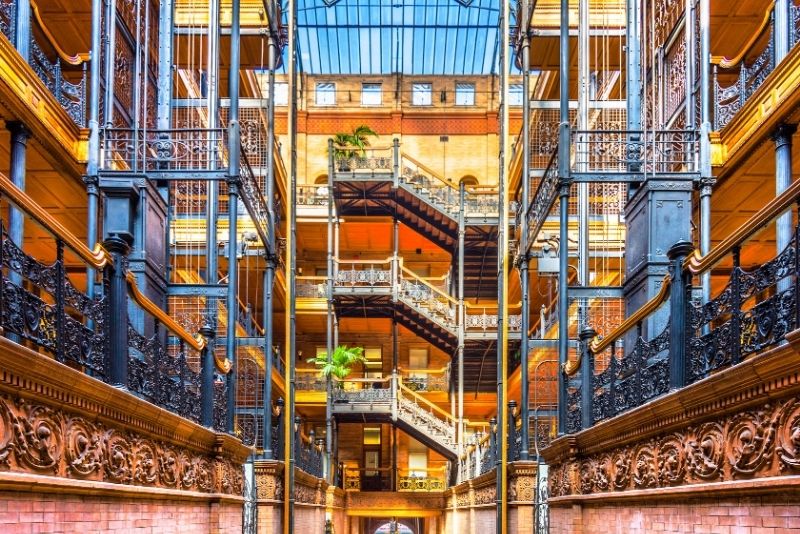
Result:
[
  {"x": 783, "y": 179},
  {"x": 462, "y": 318},
  {"x": 108, "y": 55},
  {"x": 16, "y": 219},
  {"x": 93, "y": 155},
  {"x": 783, "y": 23},
  {"x": 212, "y": 106},
  {"x": 271, "y": 254},
  {"x": 583, "y": 125},
  {"x": 207, "y": 377},
  {"x": 524, "y": 259},
  {"x": 706, "y": 177},
  {"x": 563, "y": 247},
  {"x": 165, "y": 40},
  {"x": 234, "y": 155},
  {"x": 502, "y": 294},
  {"x": 689, "y": 68},
  {"x": 291, "y": 244},
  {"x": 22, "y": 28},
  {"x": 329, "y": 297}
]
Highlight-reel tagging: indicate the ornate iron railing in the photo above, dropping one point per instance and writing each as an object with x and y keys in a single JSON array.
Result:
[
  {"x": 421, "y": 479},
  {"x": 41, "y": 305},
  {"x": 489, "y": 321},
  {"x": 312, "y": 195},
  {"x": 308, "y": 451},
  {"x": 427, "y": 380},
  {"x": 358, "y": 161},
  {"x": 186, "y": 150},
  {"x": 71, "y": 96},
  {"x": 544, "y": 193},
  {"x": 754, "y": 311},
  {"x": 629, "y": 151},
  {"x": 730, "y": 99},
  {"x": 148, "y": 352},
  {"x": 425, "y": 416}
]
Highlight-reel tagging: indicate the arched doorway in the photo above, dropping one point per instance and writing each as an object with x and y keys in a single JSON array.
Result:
[{"x": 394, "y": 528}]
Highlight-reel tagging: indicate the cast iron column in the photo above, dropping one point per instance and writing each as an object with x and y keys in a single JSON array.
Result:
[{"x": 119, "y": 248}]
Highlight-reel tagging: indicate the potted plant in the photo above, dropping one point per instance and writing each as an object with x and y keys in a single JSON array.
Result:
[
  {"x": 349, "y": 145},
  {"x": 341, "y": 365}
]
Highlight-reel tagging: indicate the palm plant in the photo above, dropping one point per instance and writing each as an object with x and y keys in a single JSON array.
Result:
[
  {"x": 342, "y": 361},
  {"x": 348, "y": 145}
]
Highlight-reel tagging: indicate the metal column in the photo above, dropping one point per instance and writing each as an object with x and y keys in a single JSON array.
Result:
[
  {"x": 502, "y": 265},
  {"x": 22, "y": 28},
  {"x": 462, "y": 318},
  {"x": 93, "y": 154},
  {"x": 108, "y": 55},
  {"x": 234, "y": 156},
  {"x": 271, "y": 253},
  {"x": 16, "y": 219},
  {"x": 783, "y": 179},
  {"x": 524, "y": 259},
  {"x": 583, "y": 125},
  {"x": 329, "y": 296},
  {"x": 563, "y": 246},
  {"x": 291, "y": 272},
  {"x": 706, "y": 178}
]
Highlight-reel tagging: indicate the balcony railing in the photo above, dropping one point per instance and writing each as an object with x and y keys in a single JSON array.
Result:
[
  {"x": 754, "y": 64},
  {"x": 687, "y": 341},
  {"x": 188, "y": 151},
  {"x": 71, "y": 96},
  {"x": 148, "y": 352}
]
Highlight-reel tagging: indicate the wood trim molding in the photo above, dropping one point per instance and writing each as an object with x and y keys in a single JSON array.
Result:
[
  {"x": 774, "y": 102},
  {"x": 740, "y": 424},
  {"x": 28, "y": 378},
  {"x": 26, "y": 98}
]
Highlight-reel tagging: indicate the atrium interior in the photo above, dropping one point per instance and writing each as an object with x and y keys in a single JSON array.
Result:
[{"x": 407, "y": 266}]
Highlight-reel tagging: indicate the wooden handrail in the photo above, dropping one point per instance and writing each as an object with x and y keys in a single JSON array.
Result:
[
  {"x": 97, "y": 258},
  {"x": 697, "y": 264},
  {"x": 367, "y": 262},
  {"x": 726, "y": 63},
  {"x": 425, "y": 401},
  {"x": 413, "y": 275},
  {"x": 76, "y": 60},
  {"x": 598, "y": 345},
  {"x": 424, "y": 371}
]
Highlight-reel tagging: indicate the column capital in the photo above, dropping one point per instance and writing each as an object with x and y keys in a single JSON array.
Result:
[
  {"x": 783, "y": 134},
  {"x": 19, "y": 132}
]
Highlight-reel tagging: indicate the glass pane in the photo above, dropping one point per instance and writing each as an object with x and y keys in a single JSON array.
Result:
[
  {"x": 326, "y": 94},
  {"x": 281, "y": 93},
  {"x": 421, "y": 94},
  {"x": 371, "y": 94},
  {"x": 515, "y": 94},
  {"x": 465, "y": 94}
]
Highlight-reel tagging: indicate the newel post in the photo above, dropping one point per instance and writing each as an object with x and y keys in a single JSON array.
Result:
[
  {"x": 587, "y": 375},
  {"x": 679, "y": 307},
  {"x": 117, "y": 374},
  {"x": 207, "y": 377}
]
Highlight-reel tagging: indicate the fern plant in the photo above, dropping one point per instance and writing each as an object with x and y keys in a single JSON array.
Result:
[{"x": 342, "y": 361}]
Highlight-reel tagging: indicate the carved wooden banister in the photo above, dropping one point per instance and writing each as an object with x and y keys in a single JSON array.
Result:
[
  {"x": 76, "y": 60},
  {"x": 97, "y": 258},
  {"x": 725, "y": 63}
]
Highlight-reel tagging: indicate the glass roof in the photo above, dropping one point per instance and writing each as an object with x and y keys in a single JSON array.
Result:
[{"x": 423, "y": 37}]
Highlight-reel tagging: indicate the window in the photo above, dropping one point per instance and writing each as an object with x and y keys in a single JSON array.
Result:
[
  {"x": 281, "y": 94},
  {"x": 515, "y": 94},
  {"x": 326, "y": 94},
  {"x": 421, "y": 94},
  {"x": 465, "y": 94},
  {"x": 370, "y": 94},
  {"x": 374, "y": 360}
]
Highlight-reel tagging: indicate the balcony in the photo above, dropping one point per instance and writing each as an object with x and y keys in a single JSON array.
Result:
[
  {"x": 756, "y": 90},
  {"x": 142, "y": 349},
  {"x": 64, "y": 76}
]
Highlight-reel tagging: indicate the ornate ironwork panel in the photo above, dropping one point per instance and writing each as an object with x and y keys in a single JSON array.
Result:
[{"x": 163, "y": 376}]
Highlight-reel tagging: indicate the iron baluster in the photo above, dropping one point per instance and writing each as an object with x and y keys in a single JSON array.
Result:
[
  {"x": 679, "y": 311},
  {"x": 184, "y": 405},
  {"x": 612, "y": 382},
  {"x": 513, "y": 451},
  {"x": 207, "y": 380},
  {"x": 736, "y": 306},
  {"x": 796, "y": 265},
  {"x": 587, "y": 374},
  {"x": 60, "y": 307}
]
